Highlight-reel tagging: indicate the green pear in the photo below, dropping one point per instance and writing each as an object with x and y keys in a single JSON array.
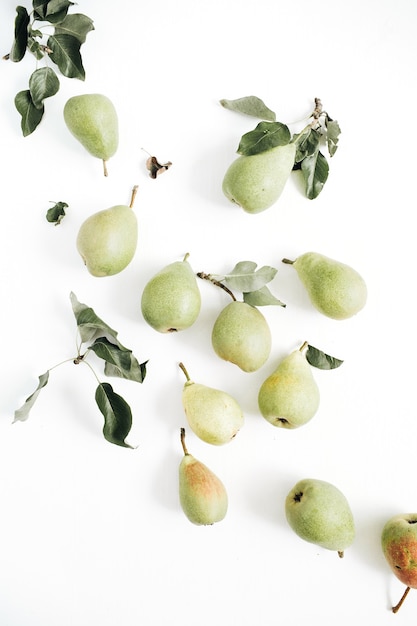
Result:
[
  {"x": 213, "y": 415},
  {"x": 255, "y": 182},
  {"x": 107, "y": 240},
  {"x": 92, "y": 119},
  {"x": 171, "y": 300},
  {"x": 289, "y": 397},
  {"x": 242, "y": 336},
  {"x": 319, "y": 513},
  {"x": 203, "y": 497},
  {"x": 335, "y": 289},
  {"x": 399, "y": 545}
]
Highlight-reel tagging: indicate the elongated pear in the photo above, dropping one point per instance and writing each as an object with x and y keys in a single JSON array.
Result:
[
  {"x": 171, "y": 300},
  {"x": 93, "y": 121},
  {"x": 212, "y": 414},
  {"x": 334, "y": 288},
  {"x": 203, "y": 497},
  {"x": 290, "y": 397},
  {"x": 107, "y": 240},
  {"x": 256, "y": 182},
  {"x": 319, "y": 513},
  {"x": 242, "y": 336}
]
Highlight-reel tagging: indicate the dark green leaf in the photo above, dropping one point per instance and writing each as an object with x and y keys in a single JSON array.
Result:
[
  {"x": 120, "y": 362},
  {"x": 43, "y": 83},
  {"x": 262, "y": 297},
  {"x": 307, "y": 143},
  {"x": 65, "y": 53},
  {"x": 20, "y": 415},
  {"x": 250, "y": 105},
  {"x": 245, "y": 277},
  {"x": 322, "y": 361},
  {"x": 333, "y": 132},
  {"x": 31, "y": 115},
  {"x": 20, "y": 35},
  {"x": 35, "y": 48},
  {"x": 52, "y": 11},
  {"x": 56, "y": 213},
  {"x": 117, "y": 415},
  {"x": 77, "y": 25},
  {"x": 90, "y": 326},
  {"x": 265, "y": 136},
  {"x": 315, "y": 171}
]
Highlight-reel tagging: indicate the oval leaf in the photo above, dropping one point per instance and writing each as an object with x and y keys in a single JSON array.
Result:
[
  {"x": 333, "y": 132},
  {"x": 20, "y": 415},
  {"x": 117, "y": 415},
  {"x": 119, "y": 362},
  {"x": 31, "y": 115},
  {"x": 262, "y": 297},
  {"x": 250, "y": 105},
  {"x": 245, "y": 277},
  {"x": 43, "y": 83},
  {"x": 77, "y": 25},
  {"x": 315, "y": 171},
  {"x": 322, "y": 361},
  {"x": 20, "y": 35},
  {"x": 65, "y": 53},
  {"x": 265, "y": 136}
]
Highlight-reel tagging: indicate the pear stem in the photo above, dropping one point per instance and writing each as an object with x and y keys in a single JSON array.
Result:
[
  {"x": 304, "y": 346},
  {"x": 216, "y": 282},
  {"x": 186, "y": 256},
  {"x": 182, "y": 366},
  {"x": 397, "y": 607},
  {"x": 105, "y": 168},
  {"x": 287, "y": 261},
  {"x": 133, "y": 196},
  {"x": 184, "y": 447}
]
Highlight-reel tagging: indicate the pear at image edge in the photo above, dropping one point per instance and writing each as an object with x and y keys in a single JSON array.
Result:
[
  {"x": 92, "y": 119},
  {"x": 399, "y": 546}
]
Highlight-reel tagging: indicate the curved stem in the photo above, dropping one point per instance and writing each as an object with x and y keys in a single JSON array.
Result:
[
  {"x": 182, "y": 366},
  {"x": 209, "y": 277},
  {"x": 287, "y": 261},
  {"x": 92, "y": 369},
  {"x": 184, "y": 447},
  {"x": 186, "y": 257},
  {"x": 397, "y": 607}
]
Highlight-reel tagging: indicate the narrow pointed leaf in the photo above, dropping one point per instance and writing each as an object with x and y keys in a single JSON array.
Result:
[
  {"x": 65, "y": 53},
  {"x": 31, "y": 115},
  {"x": 119, "y": 362},
  {"x": 43, "y": 83},
  {"x": 245, "y": 277},
  {"x": 20, "y": 34},
  {"x": 117, "y": 415},
  {"x": 315, "y": 170},
  {"x": 77, "y": 25},
  {"x": 20, "y": 415},
  {"x": 250, "y": 105},
  {"x": 262, "y": 297},
  {"x": 265, "y": 136},
  {"x": 89, "y": 324},
  {"x": 317, "y": 358}
]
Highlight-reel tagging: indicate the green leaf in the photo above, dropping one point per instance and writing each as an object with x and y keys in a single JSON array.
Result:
[
  {"x": 333, "y": 132},
  {"x": 20, "y": 35},
  {"x": 117, "y": 415},
  {"x": 20, "y": 415},
  {"x": 315, "y": 171},
  {"x": 322, "y": 361},
  {"x": 35, "y": 48},
  {"x": 31, "y": 115},
  {"x": 90, "y": 326},
  {"x": 250, "y": 105},
  {"x": 52, "y": 11},
  {"x": 77, "y": 25},
  {"x": 56, "y": 213},
  {"x": 246, "y": 278},
  {"x": 65, "y": 53},
  {"x": 307, "y": 142},
  {"x": 43, "y": 83},
  {"x": 262, "y": 297},
  {"x": 120, "y": 362},
  {"x": 265, "y": 136}
]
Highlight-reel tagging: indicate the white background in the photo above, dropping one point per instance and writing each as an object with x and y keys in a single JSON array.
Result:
[{"x": 91, "y": 533}]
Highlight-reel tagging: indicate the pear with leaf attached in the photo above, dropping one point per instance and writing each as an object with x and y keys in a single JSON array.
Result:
[
  {"x": 107, "y": 240},
  {"x": 290, "y": 397},
  {"x": 203, "y": 497},
  {"x": 213, "y": 415},
  {"x": 171, "y": 300},
  {"x": 399, "y": 545},
  {"x": 334, "y": 288},
  {"x": 92, "y": 119}
]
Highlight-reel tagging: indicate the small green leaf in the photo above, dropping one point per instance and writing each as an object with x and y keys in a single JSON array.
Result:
[
  {"x": 31, "y": 115},
  {"x": 245, "y": 277},
  {"x": 20, "y": 415},
  {"x": 56, "y": 213},
  {"x": 120, "y": 362},
  {"x": 43, "y": 83},
  {"x": 117, "y": 415},
  {"x": 262, "y": 297},
  {"x": 333, "y": 132},
  {"x": 65, "y": 53},
  {"x": 315, "y": 170},
  {"x": 322, "y": 361},
  {"x": 77, "y": 25},
  {"x": 20, "y": 35},
  {"x": 35, "y": 48},
  {"x": 307, "y": 143},
  {"x": 90, "y": 326},
  {"x": 250, "y": 105},
  {"x": 265, "y": 136}
]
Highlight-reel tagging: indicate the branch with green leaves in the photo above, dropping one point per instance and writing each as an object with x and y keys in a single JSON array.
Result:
[
  {"x": 119, "y": 362},
  {"x": 320, "y": 133},
  {"x": 50, "y": 33}
]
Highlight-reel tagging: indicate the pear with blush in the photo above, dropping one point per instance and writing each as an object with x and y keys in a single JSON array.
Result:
[{"x": 399, "y": 545}]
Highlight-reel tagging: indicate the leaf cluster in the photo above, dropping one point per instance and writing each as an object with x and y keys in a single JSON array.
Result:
[
  {"x": 320, "y": 131},
  {"x": 48, "y": 32}
]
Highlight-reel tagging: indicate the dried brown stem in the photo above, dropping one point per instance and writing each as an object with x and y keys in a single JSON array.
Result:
[
  {"x": 209, "y": 277},
  {"x": 133, "y": 196},
  {"x": 397, "y": 607},
  {"x": 184, "y": 447}
]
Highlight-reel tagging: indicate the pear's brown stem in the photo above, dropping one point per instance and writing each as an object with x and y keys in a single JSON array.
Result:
[
  {"x": 397, "y": 607},
  {"x": 287, "y": 261},
  {"x": 304, "y": 346},
  {"x": 216, "y": 282},
  {"x": 341, "y": 554},
  {"x": 182, "y": 366},
  {"x": 133, "y": 196},
  {"x": 184, "y": 447},
  {"x": 105, "y": 168}
]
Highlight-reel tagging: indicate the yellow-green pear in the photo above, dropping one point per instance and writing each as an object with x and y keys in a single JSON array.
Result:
[
  {"x": 171, "y": 300},
  {"x": 242, "y": 336},
  {"x": 203, "y": 497},
  {"x": 319, "y": 513},
  {"x": 212, "y": 414},
  {"x": 334, "y": 288},
  {"x": 255, "y": 182},
  {"x": 107, "y": 240},
  {"x": 290, "y": 397},
  {"x": 92, "y": 119}
]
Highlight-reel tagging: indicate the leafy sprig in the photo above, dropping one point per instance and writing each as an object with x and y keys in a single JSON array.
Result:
[
  {"x": 50, "y": 33},
  {"x": 119, "y": 362},
  {"x": 321, "y": 130}
]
